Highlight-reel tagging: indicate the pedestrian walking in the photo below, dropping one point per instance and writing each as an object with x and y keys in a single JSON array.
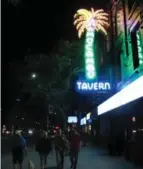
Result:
[
  {"x": 70, "y": 134},
  {"x": 74, "y": 149},
  {"x": 43, "y": 147},
  {"x": 60, "y": 147},
  {"x": 18, "y": 149}
]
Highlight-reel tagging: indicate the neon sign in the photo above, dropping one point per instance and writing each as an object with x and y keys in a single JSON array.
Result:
[
  {"x": 89, "y": 55},
  {"x": 140, "y": 50},
  {"x": 90, "y": 21},
  {"x": 93, "y": 86}
]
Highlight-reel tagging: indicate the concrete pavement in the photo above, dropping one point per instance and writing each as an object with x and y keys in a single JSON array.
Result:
[{"x": 89, "y": 158}]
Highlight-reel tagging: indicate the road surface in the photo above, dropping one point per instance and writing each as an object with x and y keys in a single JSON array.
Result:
[{"x": 89, "y": 158}]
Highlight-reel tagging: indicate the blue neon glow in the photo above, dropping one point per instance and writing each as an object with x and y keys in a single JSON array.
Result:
[
  {"x": 92, "y": 86},
  {"x": 130, "y": 93}
]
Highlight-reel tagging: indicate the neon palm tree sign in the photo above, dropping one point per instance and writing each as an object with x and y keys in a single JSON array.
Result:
[{"x": 90, "y": 21}]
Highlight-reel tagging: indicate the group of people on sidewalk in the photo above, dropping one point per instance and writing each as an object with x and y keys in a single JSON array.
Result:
[{"x": 63, "y": 144}]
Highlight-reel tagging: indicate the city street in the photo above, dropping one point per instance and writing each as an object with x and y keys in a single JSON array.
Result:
[
  {"x": 89, "y": 158},
  {"x": 77, "y": 79}
]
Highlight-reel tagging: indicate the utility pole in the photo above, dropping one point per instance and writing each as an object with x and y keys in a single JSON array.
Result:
[
  {"x": 50, "y": 111},
  {"x": 47, "y": 121}
]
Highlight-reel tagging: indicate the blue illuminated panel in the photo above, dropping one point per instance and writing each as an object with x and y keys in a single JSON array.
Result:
[
  {"x": 85, "y": 86},
  {"x": 130, "y": 93}
]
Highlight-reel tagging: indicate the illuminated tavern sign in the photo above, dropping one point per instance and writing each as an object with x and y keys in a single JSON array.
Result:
[
  {"x": 93, "y": 86},
  {"x": 90, "y": 21}
]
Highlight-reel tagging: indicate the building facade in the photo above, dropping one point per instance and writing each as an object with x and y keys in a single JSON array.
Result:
[
  {"x": 125, "y": 46},
  {"x": 127, "y": 30},
  {"x": 125, "y": 57}
]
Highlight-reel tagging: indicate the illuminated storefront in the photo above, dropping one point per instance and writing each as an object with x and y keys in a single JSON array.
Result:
[
  {"x": 88, "y": 116},
  {"x": 122, "y": 112},
  {"x": 83, "y": 123},
  {"x": 128, "y": 94}
]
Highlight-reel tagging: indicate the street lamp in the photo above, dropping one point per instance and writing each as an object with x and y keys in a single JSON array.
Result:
[
  {"x": 18, "y": 100},
  {"x": 33, "y": 76}
]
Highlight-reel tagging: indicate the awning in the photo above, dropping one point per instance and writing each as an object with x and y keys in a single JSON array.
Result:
[{"x": 130, "y": 93}]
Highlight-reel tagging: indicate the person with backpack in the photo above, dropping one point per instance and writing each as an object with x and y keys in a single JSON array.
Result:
[
  {"x": 43, "y": 147},
  {"x": 18, "y": 148}
]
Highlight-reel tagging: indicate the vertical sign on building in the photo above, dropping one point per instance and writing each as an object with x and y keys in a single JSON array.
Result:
[
  {"x": 89, "y": 55},
  {"x": 90, "y": 21},
  {"x": 139, "y": 47}
]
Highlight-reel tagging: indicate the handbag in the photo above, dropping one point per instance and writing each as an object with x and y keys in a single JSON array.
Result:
[{"x": 30, "y": 163}]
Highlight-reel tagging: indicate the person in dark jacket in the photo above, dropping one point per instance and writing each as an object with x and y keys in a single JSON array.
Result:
[
  {"x": 70, "y": 134},
  {"x": 18, "y": 147},
  {"x": 74, "y": 147},
  {"x": 60, "y": 146},
  {"x": 43, "y": 147}
]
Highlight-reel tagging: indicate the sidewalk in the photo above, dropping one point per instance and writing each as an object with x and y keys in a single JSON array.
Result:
[{"x": 89, "y": 158}]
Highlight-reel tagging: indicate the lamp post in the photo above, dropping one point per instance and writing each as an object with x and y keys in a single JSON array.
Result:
[
  {"x": 33, "y": 75},
  {"x": 50, "y": 111}
]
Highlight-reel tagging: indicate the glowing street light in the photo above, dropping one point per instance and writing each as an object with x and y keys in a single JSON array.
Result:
[
  {"x": 33, "y": 76},
  {"x": 30, "y": 132},
  {"x": 18, "y": 100}
]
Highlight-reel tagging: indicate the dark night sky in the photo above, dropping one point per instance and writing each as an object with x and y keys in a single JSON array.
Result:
[{"x": 37, "y": 25}]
